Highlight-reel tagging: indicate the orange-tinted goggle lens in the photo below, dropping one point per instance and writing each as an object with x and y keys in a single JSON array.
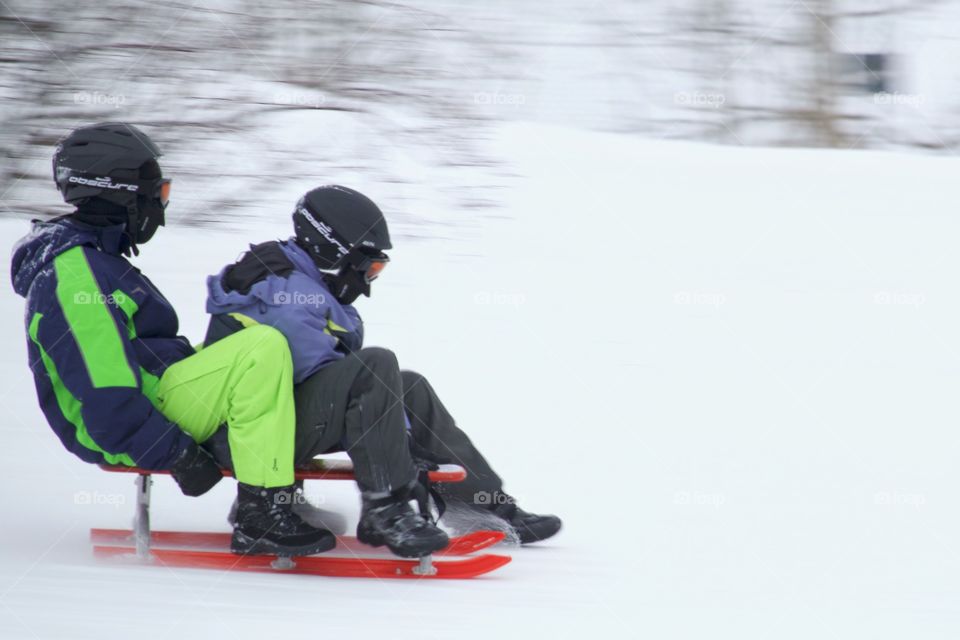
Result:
[
  {"x": 165, "y": 192},
  {"x": 373, "y": 271}
]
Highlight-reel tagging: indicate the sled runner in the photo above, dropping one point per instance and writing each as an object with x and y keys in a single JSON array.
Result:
[
  {"x": 469, "y": 567},
  {"x": 210, "y": 550},
  {"x": 217, "y": 541}
]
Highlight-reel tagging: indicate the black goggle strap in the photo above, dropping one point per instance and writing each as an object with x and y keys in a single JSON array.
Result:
[{"x": 151, "y": 188}]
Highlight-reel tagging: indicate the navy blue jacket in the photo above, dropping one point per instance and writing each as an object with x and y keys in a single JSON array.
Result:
[{"x": 99, "y": 336}]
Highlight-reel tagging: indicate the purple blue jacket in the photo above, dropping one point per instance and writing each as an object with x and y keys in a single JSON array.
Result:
[{"x": 297, "y": 303}]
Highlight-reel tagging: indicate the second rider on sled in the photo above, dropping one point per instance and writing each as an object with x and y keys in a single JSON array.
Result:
[{"x": 354, "y": 398}]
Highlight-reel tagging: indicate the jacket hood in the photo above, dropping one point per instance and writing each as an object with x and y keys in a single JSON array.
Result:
[
  {"x": 219, "y": 300},
  {"x": 271, "y": 290},
  {"x": 48, "y": 239}
]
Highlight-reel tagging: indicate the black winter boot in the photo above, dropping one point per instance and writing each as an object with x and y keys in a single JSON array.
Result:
[
  {"x": 266, "y": 525},
  {"x": 530, "y": 527},
  {"x": 392, "y": 521},
  {"x": 308, "y": 512}
]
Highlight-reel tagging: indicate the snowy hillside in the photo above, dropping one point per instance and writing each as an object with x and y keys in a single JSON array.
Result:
[
  {"x": 732, "y": 371},
  {"x": 248, "y": 97}
]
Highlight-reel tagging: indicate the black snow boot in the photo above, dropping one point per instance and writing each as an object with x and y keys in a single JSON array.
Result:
[
  {"x": 392, "y": 521},
  {"x": 530, "y": 527},
  {"x": 308, "y": 512},
  {"x": 266, "y": 525}
]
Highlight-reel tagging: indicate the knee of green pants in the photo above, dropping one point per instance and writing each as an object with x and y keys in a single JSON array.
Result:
[{"x": 264, "y": 343}]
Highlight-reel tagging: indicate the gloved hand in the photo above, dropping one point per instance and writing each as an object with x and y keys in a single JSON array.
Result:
[
  {"x": 347, "y": 342},
  {"x": 195, "y": 471}
]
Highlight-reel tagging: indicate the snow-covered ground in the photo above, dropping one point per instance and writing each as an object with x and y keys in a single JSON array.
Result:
[{"x": 732, "y": 371}]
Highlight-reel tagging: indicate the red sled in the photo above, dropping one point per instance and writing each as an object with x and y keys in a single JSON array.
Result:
[{"x": 138, "y": 543}]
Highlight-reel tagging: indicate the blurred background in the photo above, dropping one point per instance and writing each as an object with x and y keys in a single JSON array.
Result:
[{"x": 253, "y": 102}]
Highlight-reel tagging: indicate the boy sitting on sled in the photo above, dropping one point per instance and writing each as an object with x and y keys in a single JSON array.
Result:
[
  {"x": 350, "y": 397},
  {"x": 116, "y": 382}
]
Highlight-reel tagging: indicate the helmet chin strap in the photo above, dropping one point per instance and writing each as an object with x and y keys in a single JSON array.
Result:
[
  {"x": 144, "y": 217},
  {"x": 132, "y": 218}
]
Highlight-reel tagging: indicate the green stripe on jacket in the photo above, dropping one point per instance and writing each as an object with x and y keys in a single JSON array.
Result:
[{"x": 91, "y": 322}]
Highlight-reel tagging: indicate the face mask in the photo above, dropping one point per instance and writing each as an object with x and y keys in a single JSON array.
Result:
[
  {"x": 150, "y": 217},
  {"x": 347, "y": 285},
  {"x": 151, "y": 208}
]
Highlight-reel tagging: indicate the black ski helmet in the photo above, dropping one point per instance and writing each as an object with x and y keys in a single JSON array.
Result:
[
  {"x": 332, "y": 221},
  {"x": 115, "y": 162}
]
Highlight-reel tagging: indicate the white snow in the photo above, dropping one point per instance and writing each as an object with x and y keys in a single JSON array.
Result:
[{"x": 732, "y": 371}]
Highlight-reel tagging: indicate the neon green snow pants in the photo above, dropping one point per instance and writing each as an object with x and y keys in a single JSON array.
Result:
[{"x": 245, "y": 380}]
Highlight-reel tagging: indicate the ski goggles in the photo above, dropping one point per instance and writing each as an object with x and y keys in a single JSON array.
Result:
[
  {"x": 158, "y": 189},
  {"x": 369, "y": 263},
  {"x": 163, "y": 191}
]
